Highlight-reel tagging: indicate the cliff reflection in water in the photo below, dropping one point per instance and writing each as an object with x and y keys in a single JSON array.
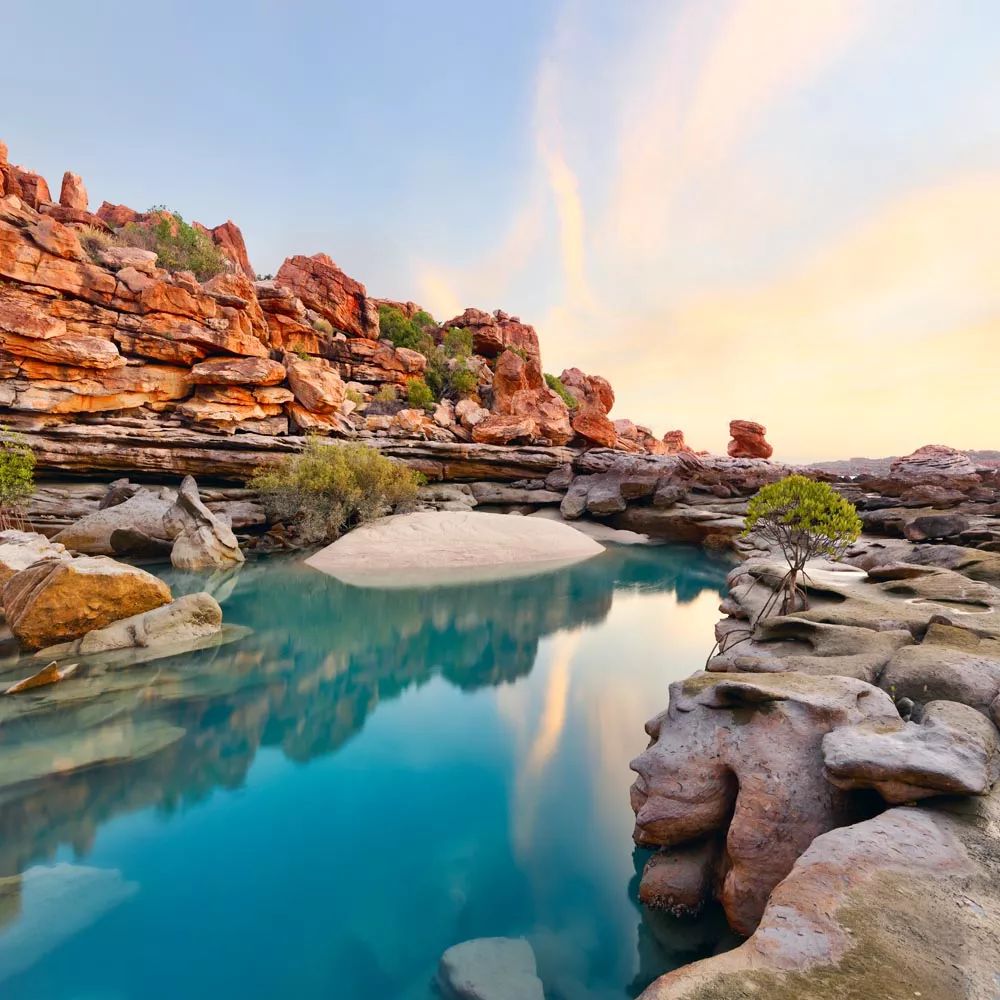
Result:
[{"x": 321, "y": 658}]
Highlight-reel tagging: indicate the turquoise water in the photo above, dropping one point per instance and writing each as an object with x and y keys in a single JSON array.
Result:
[{"x": 321, "y": 807}]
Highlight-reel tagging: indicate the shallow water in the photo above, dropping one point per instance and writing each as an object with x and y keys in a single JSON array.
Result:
[{"x": 320, "y": 808}]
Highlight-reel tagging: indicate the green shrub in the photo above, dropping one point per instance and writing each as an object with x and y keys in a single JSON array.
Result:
[
  {"x": 463, "y": 381},
  {"x": 17, "y": 478},
  {"x": 419, "y": 395},
  {"x": 386, "y": 394},
  {"x": 403, "y": 331},
  {"x": 556, "y": 385},
  {"x": 177, "y": 244},
  {"x": 321, "y": 325},
  {"x": 457, "y": 343},
  {"x": 423, "y": 318},
  {"x": 328, "y": 488},
  {"x": 355, "y": 397},
  {"x": 804, "y": 519}
]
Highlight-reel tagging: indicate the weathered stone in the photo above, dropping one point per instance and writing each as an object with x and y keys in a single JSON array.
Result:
[
  {"x": 494, "y": 333},
  {"x": 73, "y": 194},
  {"x": 745, "y": 752},
  {"x": 20, "y": 549},
  {"x": 932, "y": 526},
  {"x": 748, "y": 440},
  {"x": 143, "y": 512},
  {"x": 594, "y": 397},
  {"x": 952, "y": 751},
  {"x": 238, "y": 371},
  {"x": 57, "y": 600},
  {"x": 201, "y": 539},
  {"x": 680, "y": 880},
  {"x": 182, "y": 621},
  {"x": 50, "y": 674},
  {"x": 324, "y": 288},
  {"x": 229, "y": 240},
  {"x": 315, "y": 384},
  {"x": 903, "y": 905}
]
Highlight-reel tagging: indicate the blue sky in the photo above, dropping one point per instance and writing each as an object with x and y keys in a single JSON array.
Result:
[{"x": 769, "y": 209}]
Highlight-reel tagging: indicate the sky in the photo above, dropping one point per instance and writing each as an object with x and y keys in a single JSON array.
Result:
[{"x": 777, "y": 210}]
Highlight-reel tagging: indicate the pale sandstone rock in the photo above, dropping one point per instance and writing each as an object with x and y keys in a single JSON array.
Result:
[{"x": 20, "y": 549}]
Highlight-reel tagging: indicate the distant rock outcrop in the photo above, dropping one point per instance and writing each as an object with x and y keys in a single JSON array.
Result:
[{"x": 748, "y": 440}]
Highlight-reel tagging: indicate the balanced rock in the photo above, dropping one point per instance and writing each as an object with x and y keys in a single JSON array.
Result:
[
  {"x": 58, "y": 600},
  {"x": 953, "y": 750},
  {"x": 201, "y": 539},
  {"x": 73, "y": 194},
  {"x": 748, "y": 440},
  {"x": 740, "y": 757}
]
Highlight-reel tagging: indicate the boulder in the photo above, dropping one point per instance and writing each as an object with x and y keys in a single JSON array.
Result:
[
  {"x": 674, "y": 443},
  {"x": 594, "y": 397},
  {"x": 229, "y": 240},
  {"x": 740, "y": 757},
  {"x": 201, "y": 539},
  {"x": 73, "y": 194},
  {"x": 58, "y": 600},
  {"x": 953, "y": 750},
  {"x": 144, "y": 512},
  {"x": 182, "y": 621},
  {"x": 20, "y": 549},
  {"x": 933, "y": 526},
  {"x": 325, "y": 289},
  {"x": 315, "y": 384},
  {"x": 934, "y": 462},
  {"x": 524, "y": 408},
  {"x": 490, "y": 969},
  {"x": 680, "y": 880},
  {"x": 748, "y": 440}
]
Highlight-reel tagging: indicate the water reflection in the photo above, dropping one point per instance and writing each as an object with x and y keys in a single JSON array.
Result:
[{"x": 321, "y": 660}]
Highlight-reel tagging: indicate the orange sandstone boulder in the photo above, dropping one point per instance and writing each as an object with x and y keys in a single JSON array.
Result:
[
  {"x": 73, "y": 194},
  {"x": 238, "y": 371},
  {"x": 748, "y": 440},
  {"x": 324, "y": 288},
  {"x": 594, "y": 397},
  {"x": 229, "y": 240},
  {"x": 317, "y": 387},
  {"x": 56, "y": 600}
]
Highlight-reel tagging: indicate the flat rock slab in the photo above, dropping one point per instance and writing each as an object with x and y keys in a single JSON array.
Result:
[
  {"x": 432, "y": 547},
  {"x": 490, "y": 969}
]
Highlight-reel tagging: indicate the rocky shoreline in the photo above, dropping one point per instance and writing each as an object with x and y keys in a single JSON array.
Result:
[{"x": 831, "y": 777}]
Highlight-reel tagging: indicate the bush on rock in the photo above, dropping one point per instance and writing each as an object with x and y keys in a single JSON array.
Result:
[
  {"x": 17, "y": 479},
  {"x": 329, "y": 488},
  {"x": 178, "y": 245},
  {"x": 806, "y": 520}
]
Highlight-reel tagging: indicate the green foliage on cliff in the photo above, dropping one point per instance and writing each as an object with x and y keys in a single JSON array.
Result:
[
  {"x": 178, "y": 245},
  {"x": 419, "y": 395},
  {"x": 806, "y": 520},
  {"x": 555, "y": 383},
  {"x": 328, "y": 488},
  {"x": 17, "y": 478},
  {"x": 404, "y": 331},
  {"x": 457, "y": 343}
]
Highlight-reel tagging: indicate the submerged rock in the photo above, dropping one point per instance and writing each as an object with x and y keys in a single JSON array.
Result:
[
  {"x": 490, "y": 969},
  {"x": 451, "y": 546},
  {"x": 58, "y": 600},
  {"x": 50, "y": 674}
]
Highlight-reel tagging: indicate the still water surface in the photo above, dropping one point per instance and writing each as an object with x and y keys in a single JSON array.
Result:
[{"x": 320, "y": 808}]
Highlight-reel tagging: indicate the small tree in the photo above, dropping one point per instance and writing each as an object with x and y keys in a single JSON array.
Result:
[
  {"x": 805, "y": 519},
  {"x": 17, "y": 478},
  {"x": 328, "y": 488},
  {"x": 419, "y": 395}
]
